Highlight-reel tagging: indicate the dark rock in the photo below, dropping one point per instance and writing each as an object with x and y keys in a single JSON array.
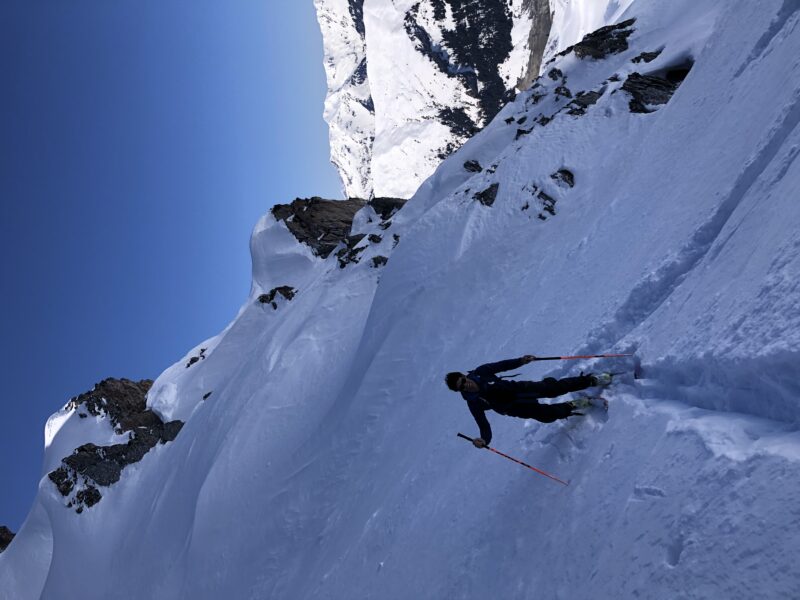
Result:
[
  {"x": 522, "y": 120},
  {"x": 375, "y": 239},
  {"x": 647, "y": 56},
  {"x": 286, "y": 291},
  {"x": 543, "y": 120},
  {"x": 385, "y": 225},
  {"x": 124, "y": 403},
  {"x": 194, "y": 359},
  {"x": 548, "y": 203},
  {"x": 63, "y": 480},
  {"x": 396, "y": 239},
  {"x": 611, "y": 39},
  {"x": 647, "y": 91},
  {"x": 469, "y": 51},
  {"x": 89, "y": 496},
  {"x": 521, "y": 132},
  {"x": 487, "y": 196},
  {"x": 6, "y": 536},
  {"x": 614, "y": 77},
  {"x": 386, "y": 207},
  {"x": 555, "y": 74},
  {"x": 324, "y": 224},
  {"x": 206, "y": 395},
  {"x": 583, "y": 101},
  {"x": 349, "y": 253},
  {"x": 321, "y": 224},
  {"x": 526, "y": 206},
  {"x": 122, "y": 400},
  {"x": 564, "y": 176},
  {"x": 563, "y": 90},
  {"x": 473, "y": 166},
  {"x": 379, "y": 261},
  {"x": 509, "y": 120}
]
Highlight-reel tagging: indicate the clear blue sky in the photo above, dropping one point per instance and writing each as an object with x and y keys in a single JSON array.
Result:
[{"x": 141, "y": 141}]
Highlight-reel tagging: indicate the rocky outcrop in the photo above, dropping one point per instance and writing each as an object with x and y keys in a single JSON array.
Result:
[
  {"x": 123, "y": 403},
  {"x": 6, "y": 535},
  {"x": 285, "y": 291},
  {"x": 649, "y": 91},
  {"x": 612, "y": 39},
  {"x": 487, "y": 196},
  {"x": 324, "y": 224},
  {"x": 318, "y": 223}
]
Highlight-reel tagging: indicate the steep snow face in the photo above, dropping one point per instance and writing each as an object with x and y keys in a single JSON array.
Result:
[
  {"x": 638, "y": 200},
  {"x": 411, "y": 81}
]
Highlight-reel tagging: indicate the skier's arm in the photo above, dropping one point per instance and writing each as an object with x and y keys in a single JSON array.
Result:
[
  {"x": 503, "y": 365},
  {"x": 479, "y": 414}
]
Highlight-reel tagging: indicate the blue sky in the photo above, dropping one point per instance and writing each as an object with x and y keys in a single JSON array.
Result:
[{"x": 141, "y": 142}]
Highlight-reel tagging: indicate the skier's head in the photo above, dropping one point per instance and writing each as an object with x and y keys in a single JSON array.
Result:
[{"x": 458, "y": 382}]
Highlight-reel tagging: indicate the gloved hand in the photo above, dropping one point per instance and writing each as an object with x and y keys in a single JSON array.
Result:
[
  {"x": 479, "y": 443},
  {"x": 528, "y": 358}
]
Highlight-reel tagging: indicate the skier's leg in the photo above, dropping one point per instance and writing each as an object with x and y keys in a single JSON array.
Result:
[
  {"x": 550, "y": 388},
  {"x": 545, "y": 413}
]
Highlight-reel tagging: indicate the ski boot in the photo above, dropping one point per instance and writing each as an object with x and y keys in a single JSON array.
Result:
[
  {"x": 578, "y": 404},
  {"x": 602, "y": 379}
]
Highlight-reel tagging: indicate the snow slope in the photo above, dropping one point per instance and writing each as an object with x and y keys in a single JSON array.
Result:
[{"x": 325, "y": 463}]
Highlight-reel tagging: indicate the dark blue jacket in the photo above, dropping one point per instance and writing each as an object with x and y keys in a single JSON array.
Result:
[{"x": 500, "y": 395}]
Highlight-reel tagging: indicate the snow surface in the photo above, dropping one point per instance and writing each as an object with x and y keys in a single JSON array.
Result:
[{"x": 325, "y": 463}]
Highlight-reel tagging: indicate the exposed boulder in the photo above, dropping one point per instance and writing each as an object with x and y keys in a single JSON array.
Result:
[
  {"x": 648, "y": 91},
  {"x": 379, "y": 261},
  {"x": 582, "y": 101},
  {"x": 473, "y": 166},
  {"x": 194, "y": 359},
  {"x": 123, "y": 402},
  {"x": 286, "y": 291},
  {"x": 564, "y": 177},
  {"x": 611, "y": 39},
  {"x": 647, "y": 56},
  {"x": 487, "y": 196}
]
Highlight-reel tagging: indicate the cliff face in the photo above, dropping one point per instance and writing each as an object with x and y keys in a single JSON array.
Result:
[{"x": 409, "y": 82}]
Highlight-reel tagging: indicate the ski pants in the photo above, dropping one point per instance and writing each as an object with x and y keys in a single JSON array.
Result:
[{"x": 527, "y": 405}]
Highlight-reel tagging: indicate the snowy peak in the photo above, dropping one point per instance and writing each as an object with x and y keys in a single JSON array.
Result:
[{"x": 409, "y": 83}]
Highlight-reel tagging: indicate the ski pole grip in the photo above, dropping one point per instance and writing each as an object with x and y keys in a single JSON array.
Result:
[{"x": 466, "y": 437}]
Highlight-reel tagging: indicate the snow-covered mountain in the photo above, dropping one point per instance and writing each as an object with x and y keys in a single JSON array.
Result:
[
  {"x": 640, "y": 197},
  {"x": 409, "y": 81}
]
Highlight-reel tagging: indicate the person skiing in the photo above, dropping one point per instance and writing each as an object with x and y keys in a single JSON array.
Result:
[{"x": 484, "y": 390}]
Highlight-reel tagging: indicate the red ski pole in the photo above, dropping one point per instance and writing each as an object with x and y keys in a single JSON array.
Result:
[
  {"x": 461, "y": 435},
  {"x": 584, "y": 356}
]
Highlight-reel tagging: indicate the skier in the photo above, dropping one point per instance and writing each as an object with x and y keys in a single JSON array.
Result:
[{"x": 484, "y": 390}]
